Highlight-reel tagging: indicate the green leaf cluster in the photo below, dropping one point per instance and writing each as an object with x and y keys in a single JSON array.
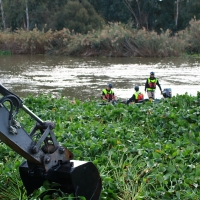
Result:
[{"x": 142, "y": 151}]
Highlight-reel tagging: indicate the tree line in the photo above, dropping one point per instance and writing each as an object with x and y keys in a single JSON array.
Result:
[{"x": 82, "y": 16}]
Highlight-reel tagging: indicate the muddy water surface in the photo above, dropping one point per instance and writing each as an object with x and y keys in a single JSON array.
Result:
[{"x": 84, "y": 78}]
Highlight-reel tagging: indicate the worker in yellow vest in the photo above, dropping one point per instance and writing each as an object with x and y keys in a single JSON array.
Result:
[
  {"x": 137, "y": 96},
  {"x": 108, "y": 94},
  {"x": 150, "y": 86}
]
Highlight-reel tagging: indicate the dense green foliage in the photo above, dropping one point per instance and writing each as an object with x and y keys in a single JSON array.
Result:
[
  {"x": 76, "y": 15},
  {"x": 114, "y": 39},
  {"x": 145, "y": 28},
  {"x": 5, "y": 52},
  {"x": 151, "y": 14},
  {"x": 145, "y": 151},
  {"x": 80, "y": 17}
]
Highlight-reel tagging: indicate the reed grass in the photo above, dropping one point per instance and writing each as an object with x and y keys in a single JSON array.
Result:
[
  {"x": 128, "y": 172},
  {"x": 115, "y": 39},
  {"x": 192, "y": 36},
  {"x": 11, "y": 186}
]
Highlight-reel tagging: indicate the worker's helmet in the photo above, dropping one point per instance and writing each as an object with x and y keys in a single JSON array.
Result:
[
  {"x": 152, "y": 73},
  {"x": 110, "y": 85},
  {"x": 136, "y": 88}
]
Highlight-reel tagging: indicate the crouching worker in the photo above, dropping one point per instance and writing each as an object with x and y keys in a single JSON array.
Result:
[
  {"x": 108, "y": 94},
  {"x": 137, "y": 96}
]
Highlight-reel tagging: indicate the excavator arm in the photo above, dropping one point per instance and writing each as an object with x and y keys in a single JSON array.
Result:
[{"x": 45, "y": 158}]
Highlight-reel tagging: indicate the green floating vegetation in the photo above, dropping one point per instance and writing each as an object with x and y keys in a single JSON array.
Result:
[
  {"x": 6, "y": 52},
  {"x": 148, "y": 151}
]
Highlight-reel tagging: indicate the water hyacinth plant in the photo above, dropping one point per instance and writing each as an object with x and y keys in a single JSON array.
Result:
[
  {"x": 7, "y": 52},
  {"x": 146, "y": 151}
]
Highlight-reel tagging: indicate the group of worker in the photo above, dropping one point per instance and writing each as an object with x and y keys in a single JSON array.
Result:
[{"x": 150, "y": 87}]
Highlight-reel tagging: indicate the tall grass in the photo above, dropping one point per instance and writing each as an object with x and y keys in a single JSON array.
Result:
[
  {"x": 150, "y": 44},
  {"x": 115, "y": 39},
  {"x": 25, "y": 42},
  {"x": 124, "y": 176},
  {"x": 11, "y": 186},
  {"x": 192, "y": 35},
  {"x": 108, "y": 41}
]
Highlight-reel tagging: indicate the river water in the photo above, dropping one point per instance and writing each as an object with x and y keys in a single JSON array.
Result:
[{"x": 84, "y": 78}]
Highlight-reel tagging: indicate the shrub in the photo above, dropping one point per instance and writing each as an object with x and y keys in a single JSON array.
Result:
[{"x": 192, "y": 35}]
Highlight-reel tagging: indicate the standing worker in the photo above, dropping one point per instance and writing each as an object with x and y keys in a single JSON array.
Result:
[
  {"x": 137, "y": 96},
  {"x": 150, "y": 86},
  {"x": 108, "y": 93}
]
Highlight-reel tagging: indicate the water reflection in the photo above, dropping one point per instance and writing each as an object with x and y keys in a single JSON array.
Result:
[{"x": 84, "y": 78}]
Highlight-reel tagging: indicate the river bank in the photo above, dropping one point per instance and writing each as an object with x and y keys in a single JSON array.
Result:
[{"x": 114, "y": 40}]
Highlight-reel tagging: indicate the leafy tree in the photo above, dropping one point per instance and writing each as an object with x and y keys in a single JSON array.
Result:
[
  {"x": 112, "y": 10},
  {"x": 39, "y": 14},
  {"x": 144, "y": 13},
  {"x": 2, "y": 15},
  {"x": 79, "y": 16},
  {"x": 14, "y": 14},
  {"x": 140, "y": 10},
  {"x": 189, "y": 9},
  {"x": 176, "y": 14},
  {"x": 84, "y": 15},
  {"x": 164, "y": 16}
]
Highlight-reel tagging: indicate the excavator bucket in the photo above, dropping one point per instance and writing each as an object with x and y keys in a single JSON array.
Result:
[
  {"x": 78, "y": 177},
  {"x": 45, "y": 158}
]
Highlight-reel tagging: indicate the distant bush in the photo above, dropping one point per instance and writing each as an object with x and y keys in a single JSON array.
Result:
[
  {"x": 192, "y": 35},
  {"x": 107, "y": 42},
  {"x": 114, "y": 39},
  {"x": 150, "y": 44},
  {"x": 25, "y": 42}
]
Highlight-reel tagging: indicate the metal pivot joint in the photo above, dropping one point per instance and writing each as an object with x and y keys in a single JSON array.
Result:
[{"x": 45, "y": 158}]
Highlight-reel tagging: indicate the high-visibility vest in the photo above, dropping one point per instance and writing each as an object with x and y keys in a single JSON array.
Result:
[
  {"x": 108, "y": 93},
  {"x": 152, "y": 84},
  {"x": 139, "y": 95}
]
